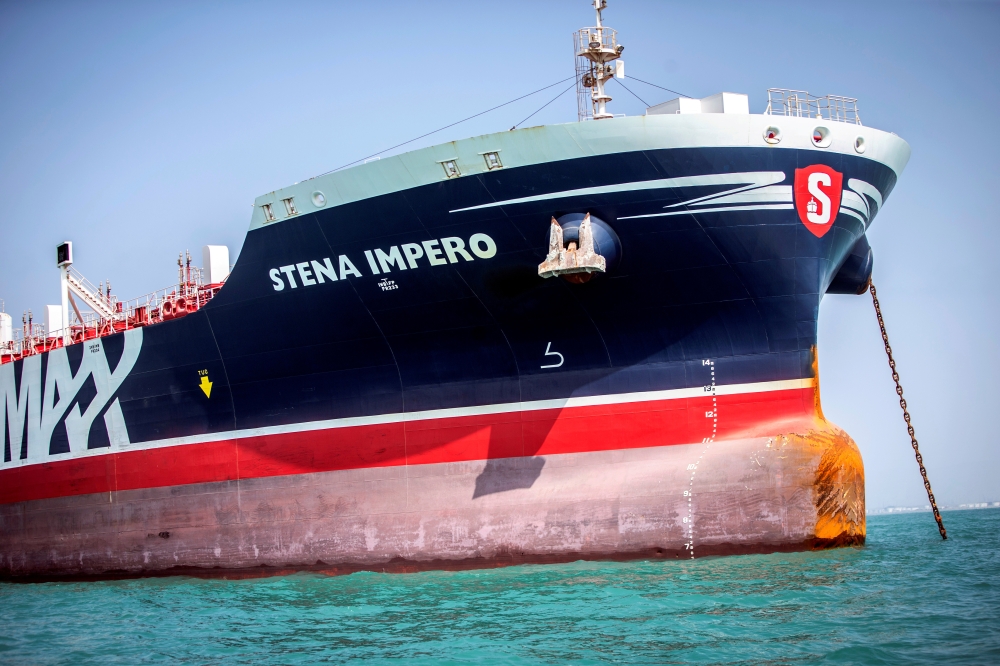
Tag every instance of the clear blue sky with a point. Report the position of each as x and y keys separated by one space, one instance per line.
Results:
x=141 y=129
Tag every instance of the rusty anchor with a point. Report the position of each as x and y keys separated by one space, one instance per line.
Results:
x=574 y=263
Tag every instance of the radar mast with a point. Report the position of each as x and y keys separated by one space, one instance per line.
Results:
x=595 y=48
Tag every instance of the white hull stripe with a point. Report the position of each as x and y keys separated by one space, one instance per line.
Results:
x=764 y=180
x=456 y=412
x=757 y=195
x=711 y=210
x=760 y=190
x=751 y=179
x=773 y=197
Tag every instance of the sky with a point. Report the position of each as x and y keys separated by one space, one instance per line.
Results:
x=138 y=130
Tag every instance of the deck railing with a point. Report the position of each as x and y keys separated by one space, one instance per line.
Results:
x=162 y=305
x=800 y=104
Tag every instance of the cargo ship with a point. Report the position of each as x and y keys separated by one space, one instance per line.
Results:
x=590 y=340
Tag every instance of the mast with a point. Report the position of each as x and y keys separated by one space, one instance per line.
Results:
x=64 y=259
x=595 y=48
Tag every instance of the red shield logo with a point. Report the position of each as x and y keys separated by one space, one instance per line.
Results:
x=817 y=197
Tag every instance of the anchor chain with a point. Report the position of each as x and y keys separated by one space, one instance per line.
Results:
x=906 y=414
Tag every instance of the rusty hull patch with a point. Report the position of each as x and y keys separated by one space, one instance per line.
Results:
x=839 y=489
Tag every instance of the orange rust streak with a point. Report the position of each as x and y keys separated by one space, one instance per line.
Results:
x=815 y=368
x=839 y=481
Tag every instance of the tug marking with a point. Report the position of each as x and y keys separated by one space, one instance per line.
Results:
x=205 y=385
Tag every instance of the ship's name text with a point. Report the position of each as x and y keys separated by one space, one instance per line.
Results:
x=438 y=252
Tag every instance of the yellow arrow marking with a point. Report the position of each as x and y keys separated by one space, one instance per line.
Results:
x=206 y=386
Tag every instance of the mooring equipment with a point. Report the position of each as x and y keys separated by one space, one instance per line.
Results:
x=906 y=413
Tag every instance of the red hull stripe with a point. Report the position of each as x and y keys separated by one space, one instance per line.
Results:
x=476 y=437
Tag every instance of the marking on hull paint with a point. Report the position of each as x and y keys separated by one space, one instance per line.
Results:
x=750 y=179
x=430 y=415
x=577 y=431
x=712 y=210
x=549 y=352
x=482 y=410
x=854 y=201
x=707 y=441
x=205 y=385
x=751 y=194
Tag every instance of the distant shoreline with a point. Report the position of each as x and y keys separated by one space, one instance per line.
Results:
x=890 y=510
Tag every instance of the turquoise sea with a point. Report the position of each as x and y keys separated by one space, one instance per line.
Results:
x=906 y=597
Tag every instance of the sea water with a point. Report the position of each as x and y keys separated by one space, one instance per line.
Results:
x=906 y=597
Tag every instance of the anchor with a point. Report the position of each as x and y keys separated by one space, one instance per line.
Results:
x=575 y=264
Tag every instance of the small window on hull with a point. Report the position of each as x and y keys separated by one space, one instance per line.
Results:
x=493 y=160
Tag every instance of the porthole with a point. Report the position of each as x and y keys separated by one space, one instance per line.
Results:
x=859 y=144
x=268 y=213
x=451 y=168
x=319 y=199
x=821 y=137
x=772 y=135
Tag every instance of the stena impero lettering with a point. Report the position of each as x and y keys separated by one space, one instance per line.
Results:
x=595 y=339
x=435 y=252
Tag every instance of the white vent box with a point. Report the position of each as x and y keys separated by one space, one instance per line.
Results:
x=6 y=330
x=215 y=263
x=720 y=103
x=53 y=320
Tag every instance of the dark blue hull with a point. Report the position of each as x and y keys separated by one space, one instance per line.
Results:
x=388 y=379
x=741 y=287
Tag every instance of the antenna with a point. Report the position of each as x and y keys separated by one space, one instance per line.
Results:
x=64 y=259
x=593 y=49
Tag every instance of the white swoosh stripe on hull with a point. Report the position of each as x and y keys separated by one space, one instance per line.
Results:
x=764 y=179
x=711 y=210
x=759 y=195
x=861 y=187
x=848 y=211
x=853 y=200
x=752 y=179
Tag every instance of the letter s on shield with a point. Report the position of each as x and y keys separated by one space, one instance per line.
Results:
x=817 y=197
